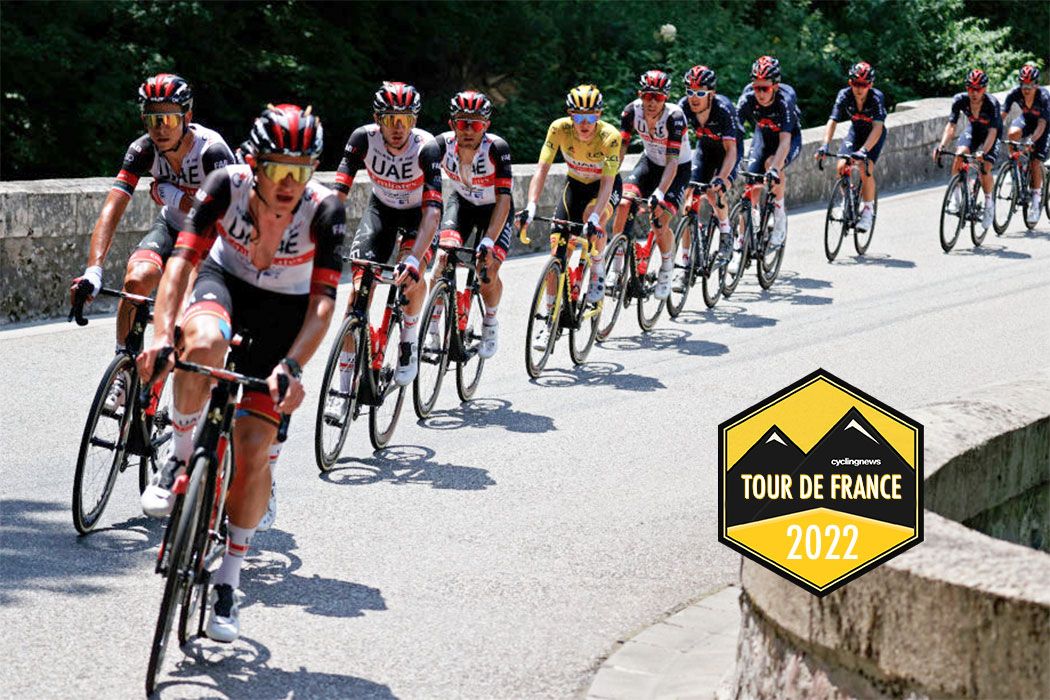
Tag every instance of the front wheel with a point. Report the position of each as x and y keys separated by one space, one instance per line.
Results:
x=684 y=264
x=390 y=396
x=584 y=328
x=977 y=229
x=713 y=275
x=836 y=226
x=740 y=226
x=769 y=261
x=649 y=307
x=952 y=221
x=862 y=239
x=468 y=370
x=1004 y=197
x=542 y=328
x=617 y=277
x=337 y=402
x=435 y=340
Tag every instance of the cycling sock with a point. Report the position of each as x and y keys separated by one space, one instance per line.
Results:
x=723 y=225
x=182 y=425
x=347 y=360
x=490 y=315
x=597 y=267
x=869 y=205
x=236 y=548
x=411 y=328
x=275 y=452
x=666 y=261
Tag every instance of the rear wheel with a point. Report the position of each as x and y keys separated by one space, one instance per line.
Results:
x=952 y=223
x=740 y=227
x=468 y=371
x=684 y=265
x=835 y=225
x=542 y=317
x=103 y=445
x=713 y=275
x=434 y=343
x=382 y=418
x=617 y=276
x=1004 y=197
x=337 y=403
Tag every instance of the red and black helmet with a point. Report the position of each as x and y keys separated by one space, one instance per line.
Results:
x=862 y=72
x=287 y=130
x=166 y=87
x=396 y=98
x=976 y=78
x=766 y=68
x=470 y=102
x=655 y=81
x=700 y=76
x=1028 y=74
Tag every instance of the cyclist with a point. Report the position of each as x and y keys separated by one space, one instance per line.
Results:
x=865 y=108
x=478 y=164
x=405 y=199
x=178 y=154
x=662 y=172
x=772 y=109
x=714 y=120
x=982 y=132
x=1034 y=103
x=591 y=149
x=270 y=235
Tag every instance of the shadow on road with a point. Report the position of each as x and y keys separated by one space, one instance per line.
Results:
x=609 y=374
x=485 y=413
x=243 y=670
x=407 y=464
x=990 y=251
x=676 y=339
x=728 y=314
x=884 y=260
x=789 y=288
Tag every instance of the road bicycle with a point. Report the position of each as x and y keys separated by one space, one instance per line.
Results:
x=701 y=259
x=372 y=382
x=631 y=269
x=452 y=332
x=1012 y=188
x=194 y=539
x=569 y=310
x=113 y=435
x=844 y=208
x=962 y=201
x=755 y=245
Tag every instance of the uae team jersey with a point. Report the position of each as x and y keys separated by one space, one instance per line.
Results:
x=490 y=170
x=405 y=180
x=665 y=139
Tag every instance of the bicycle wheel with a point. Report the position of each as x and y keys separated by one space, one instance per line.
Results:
x=649 y=307
x=468 y=371
x=438 y=314
x=862 y=239
x=683 y=281
x=191 y=603
x=178 y=556
x=740 y=225
x=769 y=261
x=158 y=432
x=540 y=316
x=382 y=418
x=1004 y=197
x=952 y=223
x=617 y=276
x=978 y=213
x=713 y=275
x=1046 y=190
x=584 y=329
x=102 y=446
x=835 y=225
x=337 y=409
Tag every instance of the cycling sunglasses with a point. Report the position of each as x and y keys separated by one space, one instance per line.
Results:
x=475 y=125
x=584 y=118
x=690 y=92
x=405 y=120
x=279 y=171
x=974 y=88
x=860 y=83
x=658 y=97
x=155 y=120
x=763 y=88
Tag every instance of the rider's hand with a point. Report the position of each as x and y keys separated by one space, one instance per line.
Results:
x=593 y=226
x=937 y=153
x=92 y=275
x=860 y=154
x=293 y=396
x=656 y=199
x=773 y=174
x=821 y=152
x=407 y=268
x=526 y=215
x=147 y=360
x=718 y=184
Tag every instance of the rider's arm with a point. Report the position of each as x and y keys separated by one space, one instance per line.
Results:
x=730 y=144
x=874 y=136
x=610 y=167
x=353 y=160
x=430 y=164
x=996 y=126
x=789 y=122
x=500 y=152
x=547 y=153
x=1044 y=117
x=137 y=162
x=676 y=129
x=838 y=114
x=1040 y=127
x=953 y=117
x=989 y=141
x=829 y=131
x=878 y=120
x=626 y=129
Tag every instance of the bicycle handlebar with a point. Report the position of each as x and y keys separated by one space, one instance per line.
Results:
x=472 y=257
x=83 y=294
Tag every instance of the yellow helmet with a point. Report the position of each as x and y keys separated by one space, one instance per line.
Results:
x=584 y=98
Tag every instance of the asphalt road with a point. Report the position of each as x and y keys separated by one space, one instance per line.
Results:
x=502 y=548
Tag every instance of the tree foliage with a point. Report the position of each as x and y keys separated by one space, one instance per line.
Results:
x=69 y=70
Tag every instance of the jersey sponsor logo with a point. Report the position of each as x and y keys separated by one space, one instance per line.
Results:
x=820 y=483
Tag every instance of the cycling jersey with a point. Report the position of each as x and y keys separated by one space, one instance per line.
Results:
x=988 y=116
x=666 y=139
x=209 y=152
x=587 y=161
x=782 y=114
x=846 y=108
x=1040 y=108
x=722 y=123
x=306 y=261
x=403 y=180
x=490 y=170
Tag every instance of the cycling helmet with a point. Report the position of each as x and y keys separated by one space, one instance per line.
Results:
x=166 y=87
x=766 y=68
x=396 y=98
x=863 y=72
x=470 y=102
x=700 y=76
x=287 y=130
x=1028 y=74
x=977 y=78
x=585 y=98
x=655 y=81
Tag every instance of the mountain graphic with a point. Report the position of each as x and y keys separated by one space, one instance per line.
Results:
x=773 y=453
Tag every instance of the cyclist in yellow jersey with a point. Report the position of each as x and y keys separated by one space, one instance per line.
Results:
x=591 y=150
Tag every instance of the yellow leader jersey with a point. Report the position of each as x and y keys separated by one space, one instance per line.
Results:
x=587 y=160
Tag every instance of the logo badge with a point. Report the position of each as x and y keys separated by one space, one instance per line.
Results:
x=820 y=483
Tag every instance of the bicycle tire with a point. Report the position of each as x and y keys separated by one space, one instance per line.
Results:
x=196 y=584
x=468 y=374
x=646 y=287
x=583 y=329
x=325 y=456
x=1006 y=175
x=768 y=266
x=549 y=317
x=381 y=427
x=975 y=221
x=835 y=230
x=859 y=236
x=427 y=385
x=711 y=289
x=615 y=285
x=160 y=435
x=950 y=232
x=679 y=294
x=1046 y=190
x=740 y=225
x=85 y=521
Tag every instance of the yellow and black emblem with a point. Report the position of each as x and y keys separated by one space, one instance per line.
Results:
x=820 y=483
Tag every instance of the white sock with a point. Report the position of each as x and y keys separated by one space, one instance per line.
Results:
x=411 y=328
x=666 y=261
x=490 y=315
x=347 y=360
x=869 y=205
x=723 y=225
x=597 y=267
x=236 y=548
x=182 y=425
x=275 y=452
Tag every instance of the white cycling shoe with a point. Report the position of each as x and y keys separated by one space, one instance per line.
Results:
x=407 y=363
x=663 y=284
x=157 y=499
x=866 y=218
x=224 y=607
x=540 y=338
x=117 y=394
x=988 y=216
x=489 y=339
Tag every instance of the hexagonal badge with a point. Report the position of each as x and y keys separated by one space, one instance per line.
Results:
x=820 y=483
